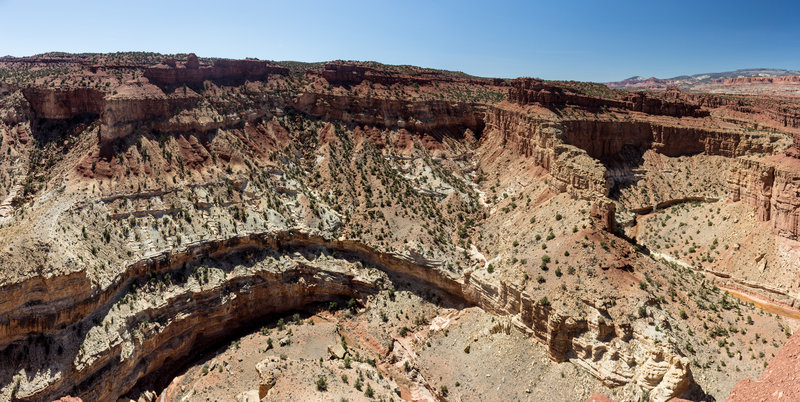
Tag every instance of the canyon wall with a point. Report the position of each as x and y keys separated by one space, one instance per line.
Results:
x=608 y=350
x=542 y=142
x=221 y=71
x=344 y=73
x=761 y=109
x=529 y=90
x=603 y=139
x=422 y=117
x=123 y=113
x=187 y=317
x=772 y=187
x=574 y=151
x=49 y=103
x=146 y=105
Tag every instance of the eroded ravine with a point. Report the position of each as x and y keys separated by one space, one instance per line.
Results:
x=179 y=318
x=119 y=332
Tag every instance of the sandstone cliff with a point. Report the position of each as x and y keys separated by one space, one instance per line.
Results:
x=770 y=186
x=197 y=197
x=172 y=325
x=527 y=90
x=222 y=71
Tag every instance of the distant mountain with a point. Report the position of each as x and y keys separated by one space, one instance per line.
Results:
x=698 y=81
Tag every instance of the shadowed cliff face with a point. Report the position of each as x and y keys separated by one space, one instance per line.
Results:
x=166 y=333
x=154 y=208
x=169 y=75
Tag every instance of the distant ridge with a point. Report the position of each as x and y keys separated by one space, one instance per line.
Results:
x=715 y=82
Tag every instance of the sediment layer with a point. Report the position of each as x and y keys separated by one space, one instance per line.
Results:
x=188 y=320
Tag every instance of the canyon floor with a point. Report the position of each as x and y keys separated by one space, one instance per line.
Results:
x=178 y=228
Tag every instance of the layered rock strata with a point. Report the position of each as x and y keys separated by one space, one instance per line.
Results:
x=145 y=105
x=222 y=71
x=772 y=187
x=529 y=90
x=573 y=151
x=344 y=73
x=614 y=353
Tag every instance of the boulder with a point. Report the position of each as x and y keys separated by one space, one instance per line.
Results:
x=268 y=371
x=248 y=396
x=337 y=351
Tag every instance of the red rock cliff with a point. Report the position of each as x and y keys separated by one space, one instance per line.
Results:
x=529 y=90
x=223 y=71
x=64 y=103
x=772 y=187
x=344 y=73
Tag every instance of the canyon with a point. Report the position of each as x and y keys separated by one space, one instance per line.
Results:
x=158 y=208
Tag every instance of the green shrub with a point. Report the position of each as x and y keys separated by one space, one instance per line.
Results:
x=322 y=384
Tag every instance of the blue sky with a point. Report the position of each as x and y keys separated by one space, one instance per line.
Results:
x=582 y=40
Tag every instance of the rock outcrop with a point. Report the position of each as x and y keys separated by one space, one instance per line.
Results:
x=778 y=382
x=606 y=350
x=529 y=90
x=50 y=103
x=135 y=317
x=573 y=151
x=141 y=104
x=781 y=79
x=178 y=325
x=350 y=73
x=435 y=117
x=772 y=187
x=221 y=71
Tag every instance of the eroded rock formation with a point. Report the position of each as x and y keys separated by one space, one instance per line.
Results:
x=245 y=145
x=530 y=90
x=168 y=331
x=771 y=187
x=223 y=71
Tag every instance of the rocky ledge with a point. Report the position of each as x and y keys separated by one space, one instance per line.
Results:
x=209 y=291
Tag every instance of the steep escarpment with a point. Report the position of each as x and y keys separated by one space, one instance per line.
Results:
x=578 y=152
x=223 y=71
x=542 y=142
x=141 y=104
x=436 y=117
x=770 y=186
x=155 y=207
x=527 y=90
x=606 y=349
x=64 y=103
x=606 y=139
x=753 y=112
x=168 y=325
x=349 y=73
